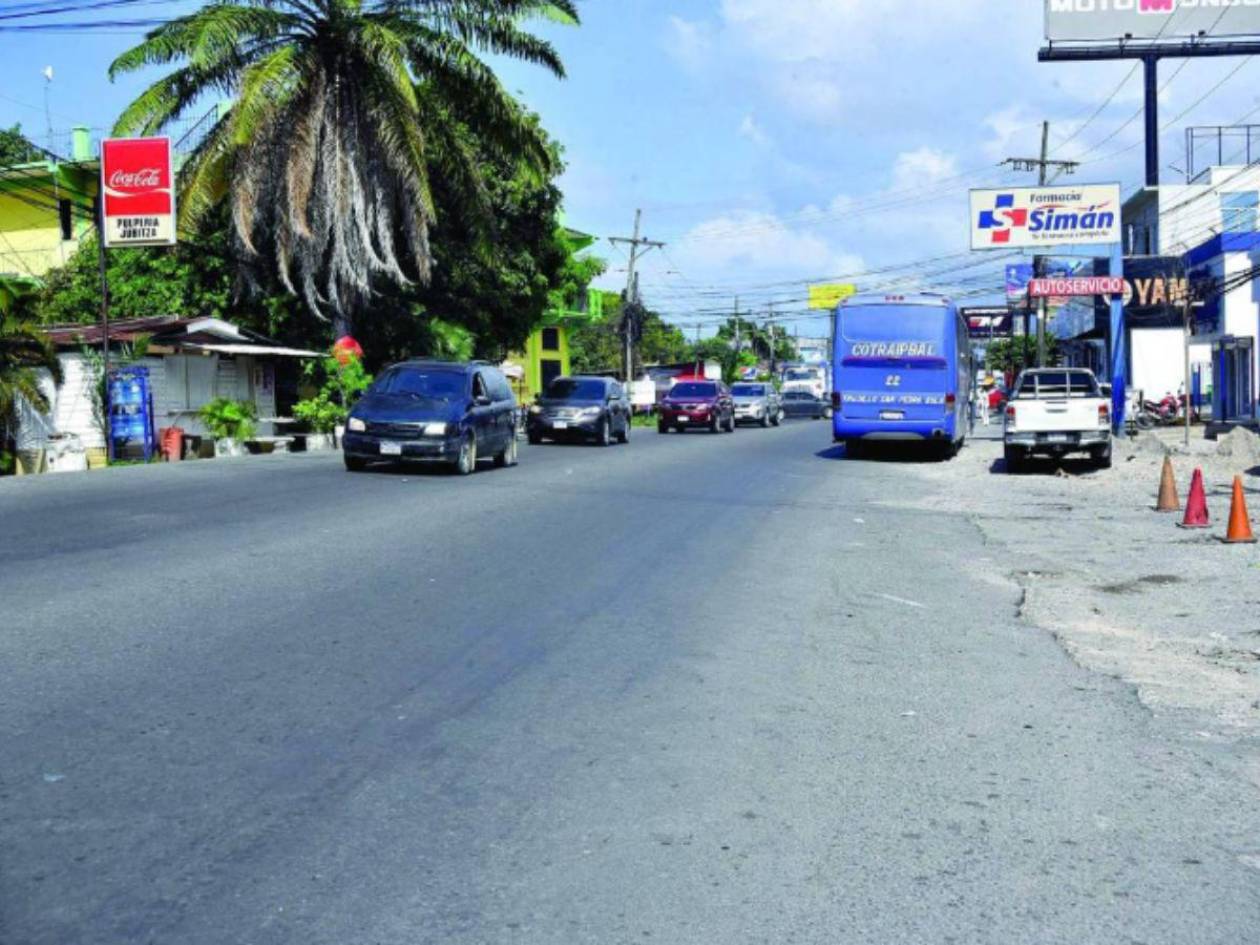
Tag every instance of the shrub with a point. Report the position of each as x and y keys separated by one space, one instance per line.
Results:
x=344 y=383
x=229 y=418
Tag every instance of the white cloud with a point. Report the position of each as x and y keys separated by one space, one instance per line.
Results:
x=689 y=42
x=810 y=90
x=748 y=242
x=748 y=128
x=922 y=167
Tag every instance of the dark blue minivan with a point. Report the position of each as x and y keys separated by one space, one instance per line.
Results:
x=433 y=412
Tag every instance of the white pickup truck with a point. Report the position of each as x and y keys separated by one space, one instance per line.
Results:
x=1055 y=411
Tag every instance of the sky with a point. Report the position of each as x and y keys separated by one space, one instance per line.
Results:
x=774 y=143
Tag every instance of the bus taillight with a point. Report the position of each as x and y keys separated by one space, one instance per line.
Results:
x=951 y=402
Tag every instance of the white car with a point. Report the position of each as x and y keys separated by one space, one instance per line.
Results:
x=1056 y=411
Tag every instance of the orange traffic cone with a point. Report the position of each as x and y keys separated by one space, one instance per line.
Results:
x=1196 y=504
x=1239 y=521
x=1168 y=500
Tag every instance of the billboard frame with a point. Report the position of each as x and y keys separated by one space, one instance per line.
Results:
x=1150 y=53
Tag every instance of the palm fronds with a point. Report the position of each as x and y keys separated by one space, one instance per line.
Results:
x=341 y=109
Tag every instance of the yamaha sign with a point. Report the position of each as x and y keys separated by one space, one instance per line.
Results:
x=1149 y=19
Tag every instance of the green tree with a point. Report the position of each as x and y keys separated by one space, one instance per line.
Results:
x=493 y=281
x=24 y=352
x=1014 y=354
x=16 y=149
x=339 y=107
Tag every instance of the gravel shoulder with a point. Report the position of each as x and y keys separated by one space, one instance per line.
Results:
x=1125 y=591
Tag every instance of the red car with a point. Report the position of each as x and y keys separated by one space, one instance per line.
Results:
x=704 y=404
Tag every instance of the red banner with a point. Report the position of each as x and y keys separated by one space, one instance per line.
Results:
x=1076 y=285
x=138 y=189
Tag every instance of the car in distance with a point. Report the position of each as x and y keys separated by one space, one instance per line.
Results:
x=757 y=403
x=691 y=404
x=803 y=403
x=589 y=408
x=1056 y=411
x=433 y=412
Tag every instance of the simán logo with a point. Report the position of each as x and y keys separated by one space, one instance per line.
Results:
x=1050 y=216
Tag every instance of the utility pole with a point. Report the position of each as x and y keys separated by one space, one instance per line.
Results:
x=1042 y=165
x=774 y=344
x=1187 y=319
x=632 y=286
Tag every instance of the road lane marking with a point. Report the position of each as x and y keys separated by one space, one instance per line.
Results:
x=902 y=600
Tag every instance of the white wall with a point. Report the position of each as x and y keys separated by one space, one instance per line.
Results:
x=181 y=384
x=1158 y=360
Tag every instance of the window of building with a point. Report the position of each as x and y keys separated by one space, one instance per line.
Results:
x=66 y=218
x=1238 y=212
x=551 y=339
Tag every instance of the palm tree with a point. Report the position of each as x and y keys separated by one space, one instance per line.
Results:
x=341 y=109
x=24 y=350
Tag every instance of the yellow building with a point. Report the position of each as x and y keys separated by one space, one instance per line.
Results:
x=45 y=210
x=546 y=354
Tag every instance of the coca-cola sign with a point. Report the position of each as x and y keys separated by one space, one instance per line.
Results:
x=138 y=189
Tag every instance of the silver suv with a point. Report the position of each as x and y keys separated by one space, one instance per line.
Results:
x=757 y=403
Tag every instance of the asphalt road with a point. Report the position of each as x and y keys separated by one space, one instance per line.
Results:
x=698 y=689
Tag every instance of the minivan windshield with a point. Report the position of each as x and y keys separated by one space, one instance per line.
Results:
x=748 y=390
x=422 y=383
x=567 y=388
x=692 y=389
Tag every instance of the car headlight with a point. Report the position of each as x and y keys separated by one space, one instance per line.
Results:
x=590 y=412
x=355 y=425
x=435 y=429
x=535 y=410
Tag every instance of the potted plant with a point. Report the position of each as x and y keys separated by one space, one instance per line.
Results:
x=231 y=423
x=323 y=416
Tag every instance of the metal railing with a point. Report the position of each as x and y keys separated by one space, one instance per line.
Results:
x=1209 y=146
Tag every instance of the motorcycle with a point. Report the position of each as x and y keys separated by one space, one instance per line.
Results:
x=1168 y=411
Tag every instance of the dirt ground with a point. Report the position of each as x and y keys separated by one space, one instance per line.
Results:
x=1176 y=613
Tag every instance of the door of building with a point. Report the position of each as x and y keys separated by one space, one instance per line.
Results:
x=1233 y=380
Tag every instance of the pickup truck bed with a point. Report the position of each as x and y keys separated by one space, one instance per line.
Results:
x=1056 y=411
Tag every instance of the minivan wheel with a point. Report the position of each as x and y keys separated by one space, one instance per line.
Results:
x=466 y=464
x=508 y=457
x=662 y=427
x=765 y=419
x=355 y=463
x=605 y=433
x=624 y=435
x=778 y=418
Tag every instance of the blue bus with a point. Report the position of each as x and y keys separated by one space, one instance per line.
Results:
x=903 y=371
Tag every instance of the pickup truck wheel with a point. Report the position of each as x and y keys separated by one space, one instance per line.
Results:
x=1101 y=456
x=1014 y=457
